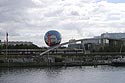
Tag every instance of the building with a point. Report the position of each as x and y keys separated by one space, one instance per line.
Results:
x=93 y=44
x=112 y=38
x=113 y=35
x=72 y=41
x=73 y=44
x=13 y=43
x=86 y=44
x=78 y=46
x=95 y=41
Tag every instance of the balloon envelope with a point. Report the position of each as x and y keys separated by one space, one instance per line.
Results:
x=52 y=38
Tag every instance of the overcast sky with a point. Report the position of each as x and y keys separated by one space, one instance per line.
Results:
x=29 y=20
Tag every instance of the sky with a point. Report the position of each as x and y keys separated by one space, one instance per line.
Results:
x=29 y=20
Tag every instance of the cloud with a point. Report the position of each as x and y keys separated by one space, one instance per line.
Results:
x=29 y=20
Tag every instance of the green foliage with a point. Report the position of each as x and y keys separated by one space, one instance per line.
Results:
x=20 y=46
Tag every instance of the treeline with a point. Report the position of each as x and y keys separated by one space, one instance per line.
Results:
x=22 y=46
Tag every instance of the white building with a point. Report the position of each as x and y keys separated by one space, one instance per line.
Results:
x=92 y=41
x=106 y=37
x=113 y=35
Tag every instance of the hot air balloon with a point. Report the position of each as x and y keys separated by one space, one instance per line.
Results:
x=52 y=38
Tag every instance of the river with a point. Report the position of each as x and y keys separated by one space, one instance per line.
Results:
x=84 y=74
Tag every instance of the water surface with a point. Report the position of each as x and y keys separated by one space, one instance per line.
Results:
x=84 y=74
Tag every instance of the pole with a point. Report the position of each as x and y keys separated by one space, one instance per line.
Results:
x=121 y=48
x=6 y=45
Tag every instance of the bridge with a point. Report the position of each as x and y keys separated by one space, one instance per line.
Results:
x=52 y=48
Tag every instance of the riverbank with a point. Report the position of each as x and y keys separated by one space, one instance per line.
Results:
x=58 y=60
x=34 y=64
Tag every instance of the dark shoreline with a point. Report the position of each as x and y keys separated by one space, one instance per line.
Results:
x=49 y=64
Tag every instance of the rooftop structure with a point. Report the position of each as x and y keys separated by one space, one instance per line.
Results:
x=71 y=41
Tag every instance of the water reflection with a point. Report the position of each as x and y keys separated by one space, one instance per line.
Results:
x=84 y=74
